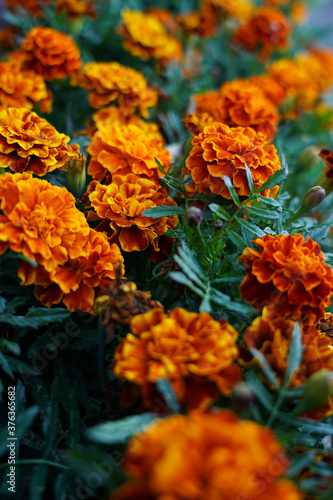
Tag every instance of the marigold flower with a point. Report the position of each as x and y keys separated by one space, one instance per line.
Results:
x=318 y=65
x=271 y=334
x=289 y=273
x=22 y=89
x=50 y=53
x=145 y=36
x=223 y=151
x=40 y=221
x=325 y=326
x=110 y=81
x=195 y=352
x=270 y=87
x=76 y=282
x=237 y=104
x=77 y=8
x=267 y=28
x=120 y=205
x=122 y=149
x=196 y=23
x=206 y=455
x=29 y=143
x=217 y=9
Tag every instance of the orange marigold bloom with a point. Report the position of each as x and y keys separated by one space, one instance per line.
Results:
x=318 y=65
x=145 y=36
x=122 y=149
x=34 y=7
x=239 y=103
x=192 y=350
x=120 y=205
x=271 y=334
x=50 y=53
x=267 y=28
x=206 y=456
x=289 y=273
x=270 y=87
x=327 y=156
x=223 y=151
x=77 y=8
x=217 y=9
x=22 y=89
x=196 y=23
x=110 y=81
x=29 y=143
x=40 y=221
x=299 y=86
x=77 y=281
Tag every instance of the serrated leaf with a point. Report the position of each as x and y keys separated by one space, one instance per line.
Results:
x=5 y=365
x=307 y=424
x=232 y=191
x=10 y=346
x=261 y=392
x=275 y=180
x=36 y=317
x=270 y=375
x=162 y=211
x=268 y=201
x=236 y=239
x=19 y=366
x=235 y=307
x=165 y=387
x=185 y=267
x=249 y=179
x=295 y=353
x=219 y=211
x=160 y=166
x=263 y=213
x=121 y=430
x=181 y=278
x=186 y=254
x=250 y=227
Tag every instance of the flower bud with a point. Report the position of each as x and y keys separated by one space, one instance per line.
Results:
x=243 y=395
x=308 y=158
x=193 y=216
x=76 y=174
x=314 y=197
x=218 y=224
x=318 y=389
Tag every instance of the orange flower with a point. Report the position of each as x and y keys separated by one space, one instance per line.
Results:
x=110 y=81
x=222 y=151
x=206 y=456
x=77 y=8
x=34 y=7
x=300 y=87
x=22 y=89
x=270 y=87
x=77 y=281
x=192 y=350
x=122 y=149
x=289 y=274
x=50 y=53
x=267 y=28
x=120 y=205
x=327 y=156
x=271 y=334
x=29 y=143
x=40 y=221
x=196 y=23
x=239 y=103
x=145 y=36
x=318 y=65
x=165 y=17
x=217 y=9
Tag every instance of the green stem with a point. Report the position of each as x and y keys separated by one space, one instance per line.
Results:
x=36 y=461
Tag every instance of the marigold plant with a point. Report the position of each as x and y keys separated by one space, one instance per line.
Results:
x=122 y=149
x=288 y=273
x=217 y=9
x=30 y=143
x=206 y=455
x=195 y=352
x=221 y=151
x=145 y=36
x=50 y=53
x=77 y=8
x=121 y=204
x=34 y=7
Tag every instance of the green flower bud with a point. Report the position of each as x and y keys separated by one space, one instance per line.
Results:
x=193 y=216
x=318 y=389
x=76 y=175
x=314 y=197
x=308 y=158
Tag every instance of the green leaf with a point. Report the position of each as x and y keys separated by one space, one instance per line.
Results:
x=165 y=387
x=219 y=211
x=250 y=227
x=36 y=317
x=10 y=346
x=181 y=278
x=19 y=366
x=236 y=239
x=229 y=305
x=163 y=211
x=295 y=353
x=160 y=166
x=249 y=179
x=263 y=213
x=5 y=365
x=51 y=419
x=185 y=267
x=307 y=424
x=270 y=375
x=188 y=256
x=261 y=392
x=268 y=201
x=38 y=482
x=121 y=430
x=232 y=191
x=275 y=180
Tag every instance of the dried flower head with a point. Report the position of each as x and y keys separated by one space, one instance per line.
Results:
x=221 y=151
x=267 y=29
x=29 y=143
x=120 y=206
x=50 y=53
x=289 y=273
x=145 y=36
x=206 y=456
x=110 y=81
x=122 y=149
